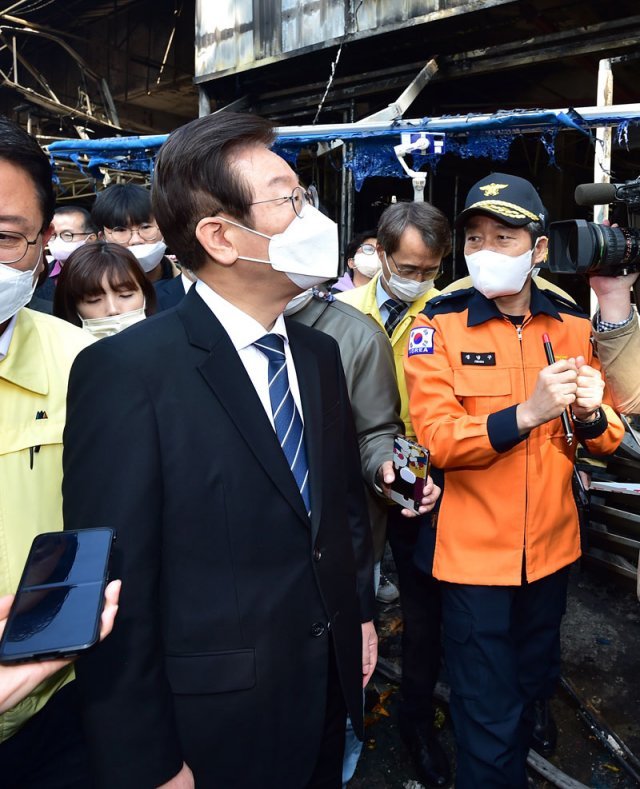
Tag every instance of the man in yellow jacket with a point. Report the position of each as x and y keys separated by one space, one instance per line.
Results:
x=40 y=740
x=412 y=240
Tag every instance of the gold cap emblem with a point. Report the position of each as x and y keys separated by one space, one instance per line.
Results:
x=491 y=190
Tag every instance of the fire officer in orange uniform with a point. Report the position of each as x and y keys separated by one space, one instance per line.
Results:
x=487 y=403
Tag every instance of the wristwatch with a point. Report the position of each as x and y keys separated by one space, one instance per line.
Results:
x=595 y=418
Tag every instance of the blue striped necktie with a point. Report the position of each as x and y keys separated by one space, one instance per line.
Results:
x=396 y=311
x=287 y=421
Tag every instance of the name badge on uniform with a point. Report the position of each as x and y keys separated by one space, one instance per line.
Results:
x=479 y=359
x=421 y=340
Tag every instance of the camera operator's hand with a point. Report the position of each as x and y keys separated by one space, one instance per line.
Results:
x=614 y=296
x=589 y=392
x=555 y=390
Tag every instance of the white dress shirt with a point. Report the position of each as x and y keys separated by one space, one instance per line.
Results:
x=243 y=331
x=186 y=283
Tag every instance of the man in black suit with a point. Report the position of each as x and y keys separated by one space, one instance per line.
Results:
x=244 y=633
x=170 y=292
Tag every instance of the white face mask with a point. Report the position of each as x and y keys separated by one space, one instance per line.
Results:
x=367 y=265
x=62 y=249
x=112 y=324
x=403 y=288
x=298 y=302
x=148 y=255
x=16 y=288
x=495 y=274
x=306 y=251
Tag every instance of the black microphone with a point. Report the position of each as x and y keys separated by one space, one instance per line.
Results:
x=595 y=194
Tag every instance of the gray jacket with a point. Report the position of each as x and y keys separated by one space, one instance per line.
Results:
x=368 y=364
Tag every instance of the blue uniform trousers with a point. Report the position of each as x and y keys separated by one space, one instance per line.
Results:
x=502 y=651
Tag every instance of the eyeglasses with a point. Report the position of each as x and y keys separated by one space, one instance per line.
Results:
x=367 y=249
x=415 y=273
x=14 y=246
x=122 y=235
x=299 y=198
x=67 y=235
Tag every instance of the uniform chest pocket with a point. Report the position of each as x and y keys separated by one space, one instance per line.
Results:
x=482 y=390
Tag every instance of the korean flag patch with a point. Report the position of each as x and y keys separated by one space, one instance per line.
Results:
x=421 y=340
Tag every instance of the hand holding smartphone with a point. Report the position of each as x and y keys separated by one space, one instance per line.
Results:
x=411 y=468
x=56 y=610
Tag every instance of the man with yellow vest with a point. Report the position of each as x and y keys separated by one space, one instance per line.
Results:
x=412 y=240
x=40 y=739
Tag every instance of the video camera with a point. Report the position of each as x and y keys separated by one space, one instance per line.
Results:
x=580 y=247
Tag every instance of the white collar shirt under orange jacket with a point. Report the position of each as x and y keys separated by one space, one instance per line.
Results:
x=507 y=497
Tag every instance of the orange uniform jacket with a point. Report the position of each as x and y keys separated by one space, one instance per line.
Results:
x=467 y=368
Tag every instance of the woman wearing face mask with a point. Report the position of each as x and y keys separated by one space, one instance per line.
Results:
x=103 y=290
x=362 y=262
x=123 y=214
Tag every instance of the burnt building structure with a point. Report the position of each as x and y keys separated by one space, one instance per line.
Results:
x=91 y=69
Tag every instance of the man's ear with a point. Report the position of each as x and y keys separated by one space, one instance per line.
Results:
x=46 y=234
x=216 y=238
x=541 y=250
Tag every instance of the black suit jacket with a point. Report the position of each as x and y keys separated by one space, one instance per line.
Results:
x=169 y=292
x=231 y=596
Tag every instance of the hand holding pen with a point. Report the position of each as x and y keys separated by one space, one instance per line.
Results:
x=564 y=416
x=554 y=392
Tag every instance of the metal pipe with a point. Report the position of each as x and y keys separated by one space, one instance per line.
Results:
x=602 y=150
x=603 y=732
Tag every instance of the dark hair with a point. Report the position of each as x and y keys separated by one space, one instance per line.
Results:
x=21 y=150
x=194 y=179
x=120 y=205
x=535 y=230
x=428 y=220
x=357 y=241
x=87 y=223
x=83 y=272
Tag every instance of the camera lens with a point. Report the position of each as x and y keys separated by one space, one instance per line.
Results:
x=577 y=246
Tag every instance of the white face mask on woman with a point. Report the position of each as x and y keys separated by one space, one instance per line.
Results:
x=495 y=274
x=306 y=250
x=403 y=288
x=367 y=265
x=148 y=255
x=112 y=324
x=16 y=288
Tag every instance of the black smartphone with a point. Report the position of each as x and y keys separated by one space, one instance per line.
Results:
x=57 y=608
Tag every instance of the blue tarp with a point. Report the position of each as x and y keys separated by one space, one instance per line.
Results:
x=370 y=150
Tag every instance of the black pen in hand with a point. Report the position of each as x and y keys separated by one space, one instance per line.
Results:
x=564 y=416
